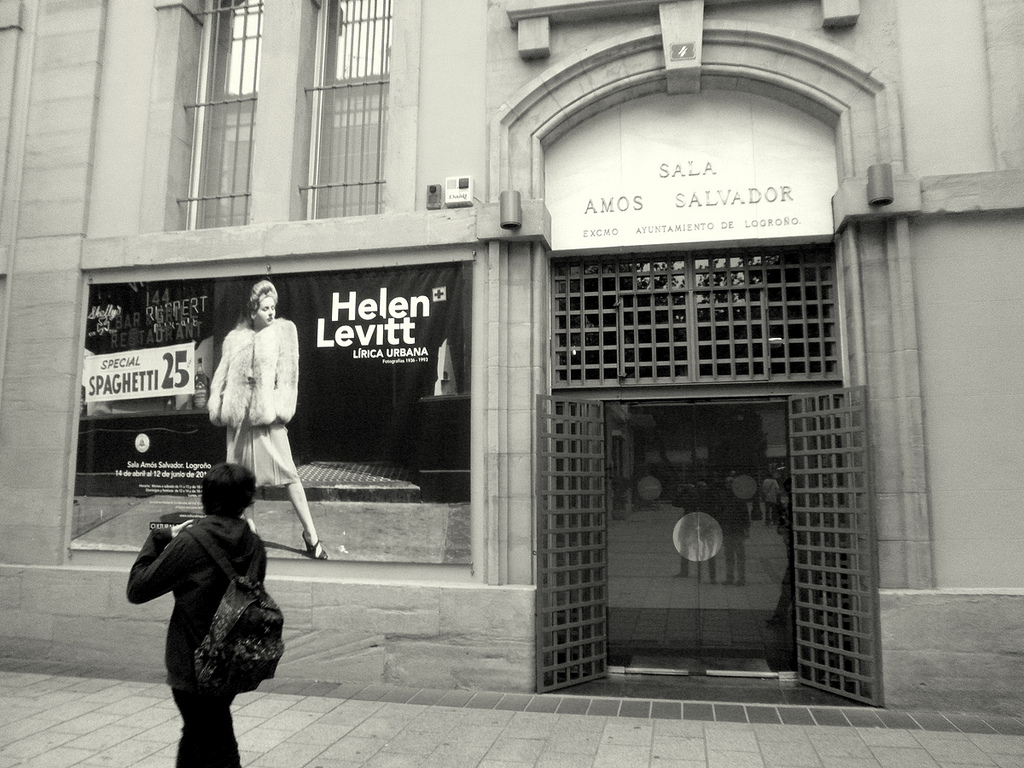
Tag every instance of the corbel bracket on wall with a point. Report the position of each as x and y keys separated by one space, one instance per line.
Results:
x=839 y=13
x=193 y=7
x=535 y=226
x=852 y=203
x=533 y=18
x=10 y=14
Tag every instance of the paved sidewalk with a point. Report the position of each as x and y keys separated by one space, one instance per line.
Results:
x=56 y=720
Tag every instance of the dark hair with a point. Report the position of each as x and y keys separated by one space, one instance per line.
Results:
x=227 y=490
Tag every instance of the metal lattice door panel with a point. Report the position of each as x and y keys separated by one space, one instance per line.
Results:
x=835 y=576
x=572 y=578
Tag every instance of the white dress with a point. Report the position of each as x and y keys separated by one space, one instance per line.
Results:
x=265 y=450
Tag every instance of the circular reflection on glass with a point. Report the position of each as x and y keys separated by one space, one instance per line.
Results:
x=744 y=487
x=697 y=536
x=648 y=488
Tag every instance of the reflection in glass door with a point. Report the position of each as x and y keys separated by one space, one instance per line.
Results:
x=699 y=552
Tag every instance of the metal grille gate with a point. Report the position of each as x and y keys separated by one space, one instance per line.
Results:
x=835 y=575
x=572 y=578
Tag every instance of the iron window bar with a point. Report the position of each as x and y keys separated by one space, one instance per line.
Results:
x=225 y=114
x=754 y=314
x=347 y=84
x=219 y=102
x=350 y=109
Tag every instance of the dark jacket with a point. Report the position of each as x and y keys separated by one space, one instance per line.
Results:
x=181 y=565
x=732 y=513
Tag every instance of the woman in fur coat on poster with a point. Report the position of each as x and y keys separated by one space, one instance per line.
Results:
x=253 y=394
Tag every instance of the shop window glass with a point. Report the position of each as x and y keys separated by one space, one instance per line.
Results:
x=225 y=112
x=378 y=372
x=736 y=316
x=350 y=109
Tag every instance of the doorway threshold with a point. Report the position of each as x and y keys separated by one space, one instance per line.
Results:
x=742 y=673
x=737 y=690
x=647 y=671
x=665 y=672
x=669 y=665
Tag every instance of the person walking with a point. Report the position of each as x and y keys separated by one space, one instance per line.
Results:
x=770 y=492
x=172 y=560
x=254 y=392
x=734 y=517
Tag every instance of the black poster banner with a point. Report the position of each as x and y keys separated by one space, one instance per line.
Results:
x=383 y=376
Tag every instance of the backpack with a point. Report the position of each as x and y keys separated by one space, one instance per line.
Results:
x=244 y=644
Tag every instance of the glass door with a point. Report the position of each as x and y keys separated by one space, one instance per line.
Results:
x=699 y=547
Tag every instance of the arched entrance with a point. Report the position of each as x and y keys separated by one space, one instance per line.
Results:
x=835 y=635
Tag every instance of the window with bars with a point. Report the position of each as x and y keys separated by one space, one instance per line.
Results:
x=350 y=109
x=225 y=112
x=694 y=317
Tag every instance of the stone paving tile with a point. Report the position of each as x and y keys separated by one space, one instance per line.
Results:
x=770 y=734
x=723 y=737
x=35 y=744
x=572 y=706
x=890 y=738
x=456 y=755
x=604 y=707
x=572 y=743
x=86 y=723
x=790 y=754
x=796 y=716
x=564 y=760
x=621 y=756
x=667 y=749
x=998 y=745
x=903 y=757
x=53 y=721
x=543 y=704
x=849 y=762
x=61 y=757
x=678 y=729
x=698 y=711
x=824 y=716
x=262 y=739
x=516 y=702
x=127 y=754
x=627 y=733
x=829 y=744
x=731 y=759
x=763 y=715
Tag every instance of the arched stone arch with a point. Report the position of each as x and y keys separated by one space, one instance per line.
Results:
x=862 y=105
x=807 y=73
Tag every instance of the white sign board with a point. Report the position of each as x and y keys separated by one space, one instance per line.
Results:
x=138 y=374
x=667 y=170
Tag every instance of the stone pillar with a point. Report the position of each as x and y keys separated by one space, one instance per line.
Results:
x=170 y=126
x=10 y=33
x=280 y=162
x=1004 y=37
x=515 y=327
x=40 y=390
x=895 y=409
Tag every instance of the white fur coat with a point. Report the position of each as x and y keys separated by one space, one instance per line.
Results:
x=257 y=377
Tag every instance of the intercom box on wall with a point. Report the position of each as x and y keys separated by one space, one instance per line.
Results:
x=458 y=191
x=435 y=197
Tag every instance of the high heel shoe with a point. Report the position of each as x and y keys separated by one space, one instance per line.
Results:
x=316 y=551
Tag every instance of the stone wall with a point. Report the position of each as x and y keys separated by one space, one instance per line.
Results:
x=410 y=635
x=953 y=650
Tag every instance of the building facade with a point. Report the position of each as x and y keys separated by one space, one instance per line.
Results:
x=632 y=334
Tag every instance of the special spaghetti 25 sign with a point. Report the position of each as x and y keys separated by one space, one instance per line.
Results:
x=158 y=372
